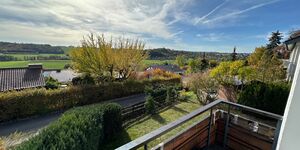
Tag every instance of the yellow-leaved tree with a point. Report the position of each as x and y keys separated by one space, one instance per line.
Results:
x=108 y=60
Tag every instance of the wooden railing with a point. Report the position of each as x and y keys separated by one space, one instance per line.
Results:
x=209 y=127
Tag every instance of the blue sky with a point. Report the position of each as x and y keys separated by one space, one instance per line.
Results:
x=194 y=25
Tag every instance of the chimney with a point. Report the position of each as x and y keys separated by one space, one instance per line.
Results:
x=35 y=66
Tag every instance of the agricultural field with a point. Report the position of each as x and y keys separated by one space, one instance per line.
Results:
x=47 y=64
x=21 y=56
x=59 y=64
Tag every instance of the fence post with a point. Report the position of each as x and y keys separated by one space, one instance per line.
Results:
x=226 y=127
x=145 y=147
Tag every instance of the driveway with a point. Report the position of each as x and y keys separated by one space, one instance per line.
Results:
x=36 y=123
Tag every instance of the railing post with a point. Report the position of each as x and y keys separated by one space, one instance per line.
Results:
x=145 y=147
x=277 y=131
x=226 y=127
x=209 y=126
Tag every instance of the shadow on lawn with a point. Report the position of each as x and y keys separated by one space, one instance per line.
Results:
x=159 y=119
x=180 y=110
x=117 y=141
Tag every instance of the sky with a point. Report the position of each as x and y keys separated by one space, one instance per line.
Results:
x=192 y=25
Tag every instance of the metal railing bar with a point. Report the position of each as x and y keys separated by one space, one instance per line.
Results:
x=226 y=127
x=158 y=132
x=209 y=125
x=278 y=127
x=254 y=110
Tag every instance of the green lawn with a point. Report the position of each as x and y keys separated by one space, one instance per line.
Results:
x=149 y=124
x=47 y=64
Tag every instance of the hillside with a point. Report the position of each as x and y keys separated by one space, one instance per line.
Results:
x=12 y=51
x=168 y=54
x=12 y=48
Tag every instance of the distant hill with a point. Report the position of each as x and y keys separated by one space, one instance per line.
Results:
x=11 y=48
x=154 y=54
x=164 y=53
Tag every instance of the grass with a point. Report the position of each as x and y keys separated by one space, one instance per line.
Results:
x=8 y=142
x=21 y=56
x=48 y=64
x=150 y=123
x=59 y=64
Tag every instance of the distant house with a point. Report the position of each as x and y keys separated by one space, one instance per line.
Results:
x=21 y=78
x=63 y=76
x=293 y=45
x=170 y=68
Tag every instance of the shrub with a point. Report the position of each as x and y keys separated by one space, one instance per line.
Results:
x=270 y=97
x=29 y=102
x=204 y=86
x=51 y=83
x=79 y=128
x=150 y=105
x=83 y=80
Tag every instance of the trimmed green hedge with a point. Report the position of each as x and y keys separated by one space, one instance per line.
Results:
x=79 y=128
x=270 y=97
x=30 y=102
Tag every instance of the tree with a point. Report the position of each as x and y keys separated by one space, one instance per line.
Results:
x=130 y=53
x=213 y=63
x=274 y=41
x=150 y=105
x=234 y=54
x=194 y=65
x=267 y=68
x=106 y=60
x=222 y=73
x=89 y=57
x=180 y=60
x=205 y=87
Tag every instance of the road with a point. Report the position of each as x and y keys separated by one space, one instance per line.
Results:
x=36 y=123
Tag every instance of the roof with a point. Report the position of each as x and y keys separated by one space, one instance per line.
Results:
x=293 y=40
x=170 y=68
x=21 y=78
x=62 y=75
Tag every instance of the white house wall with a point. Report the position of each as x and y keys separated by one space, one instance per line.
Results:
x=290 y=129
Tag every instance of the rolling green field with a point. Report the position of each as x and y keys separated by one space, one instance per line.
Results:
x=47 y=64
x=59 y=64
x=21 y=56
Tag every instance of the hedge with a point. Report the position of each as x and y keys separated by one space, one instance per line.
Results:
x=271 y=97
x=79 y=128
x=30 y=102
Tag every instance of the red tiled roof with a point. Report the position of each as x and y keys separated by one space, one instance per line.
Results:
x=20 y=78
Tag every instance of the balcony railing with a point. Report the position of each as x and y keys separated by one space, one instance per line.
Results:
x=220 y=126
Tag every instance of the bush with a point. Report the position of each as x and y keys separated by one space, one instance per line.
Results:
x=25 y=103
x=51 y=83
x=79 y=128
x=83 y=80
x=270 y=97
x=150 y=105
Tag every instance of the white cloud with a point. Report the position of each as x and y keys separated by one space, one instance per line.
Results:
x=212 y=37
x=66 y=22
x=134 y=17
x=228 y=12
